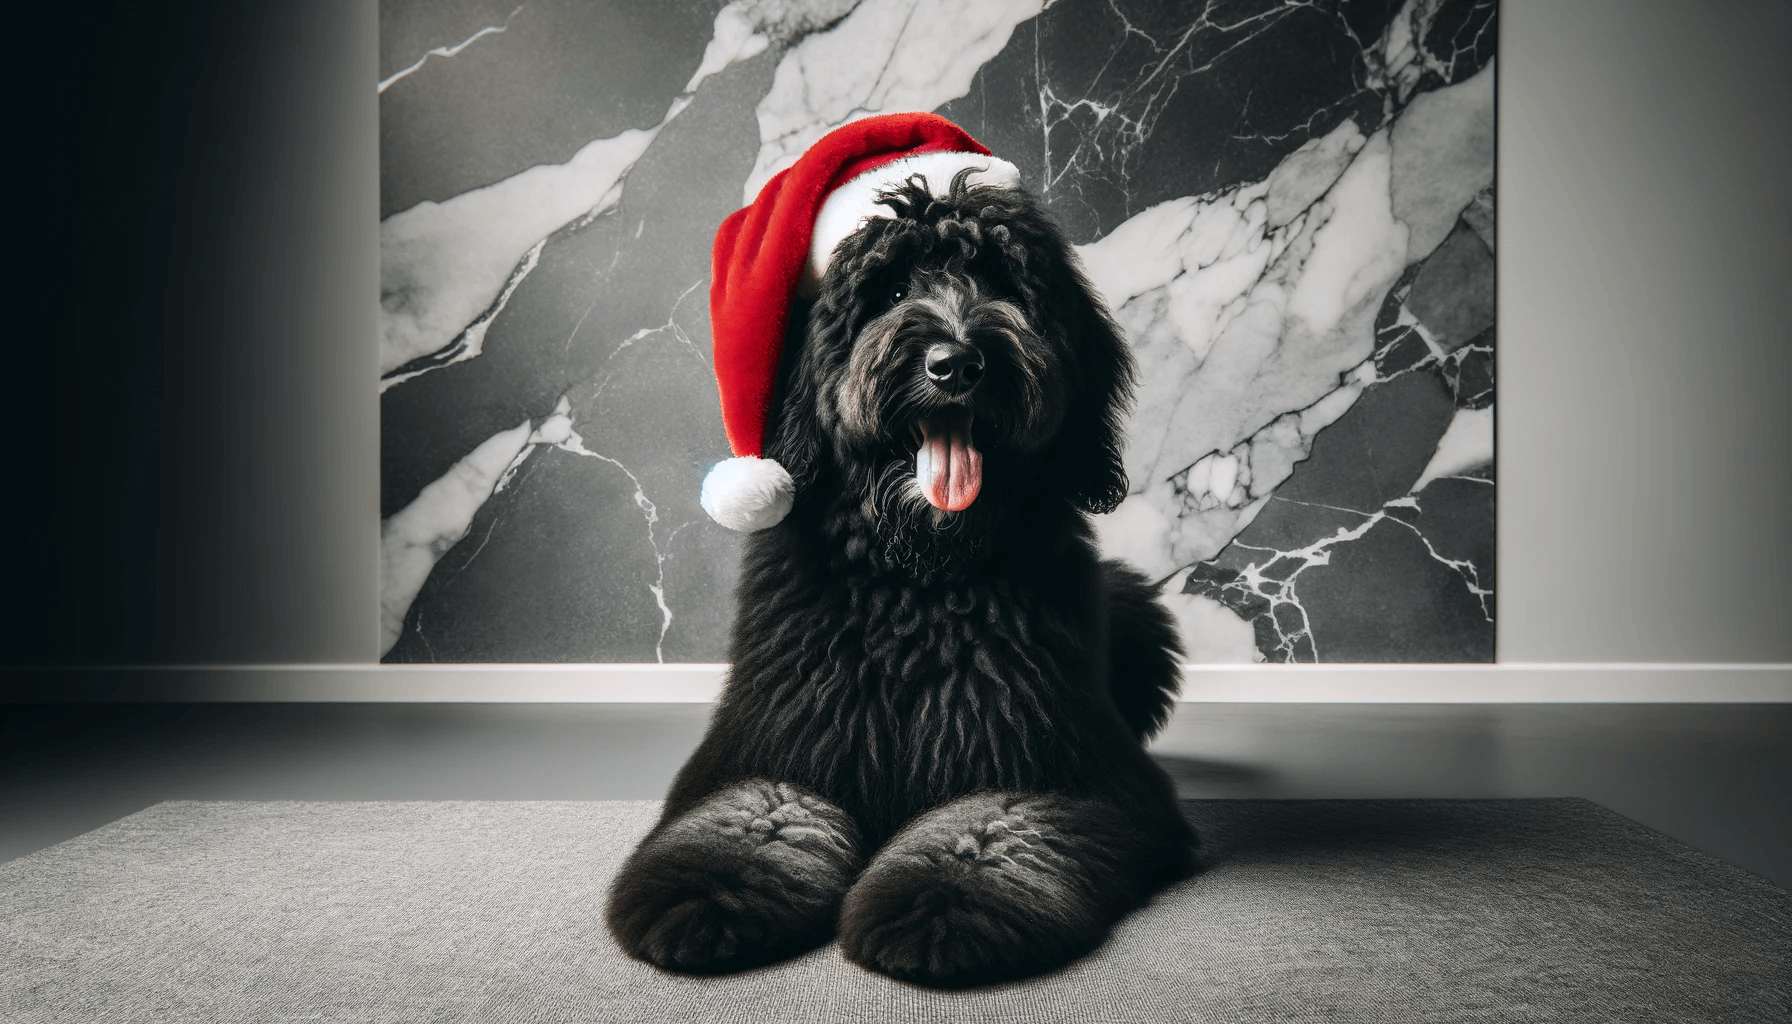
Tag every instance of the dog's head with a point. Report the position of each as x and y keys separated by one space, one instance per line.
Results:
x=956 y=364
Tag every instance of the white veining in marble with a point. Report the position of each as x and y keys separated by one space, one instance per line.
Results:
x=446 y=268
x=671 y=326
x=886 y=57
x=470 y=342
x=1466 y=445
x=1397 y=64
x=415 y=537
x=1403 y=61
x=1251 y=313
x=650 y=514
x=553 y=430
x=1242 y=347
x=443 y=264
x=1309 y=172
x=1284 y=591
x=746 y=28
x=448 y=51
x=1211 y=632
x=1443 y=157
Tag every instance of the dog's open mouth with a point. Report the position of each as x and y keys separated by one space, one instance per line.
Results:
x=948 y=467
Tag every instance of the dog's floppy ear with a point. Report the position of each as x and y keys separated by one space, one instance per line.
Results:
x=794 y=437
x=1086 y=455
x=802 y=432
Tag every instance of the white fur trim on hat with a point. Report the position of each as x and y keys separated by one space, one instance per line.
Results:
x=848 y=207
x=747 y=493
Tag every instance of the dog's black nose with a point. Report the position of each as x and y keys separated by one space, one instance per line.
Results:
x=954 y=366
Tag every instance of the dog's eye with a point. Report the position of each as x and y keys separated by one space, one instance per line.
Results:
x=898 y=292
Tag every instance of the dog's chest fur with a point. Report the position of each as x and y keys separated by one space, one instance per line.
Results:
x=889 y=696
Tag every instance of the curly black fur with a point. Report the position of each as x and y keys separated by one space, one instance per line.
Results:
x=965 y=693
x=753 y=873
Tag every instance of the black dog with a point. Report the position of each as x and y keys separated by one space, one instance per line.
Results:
x=932 y=739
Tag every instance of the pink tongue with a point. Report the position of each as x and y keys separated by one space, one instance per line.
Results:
x=949 y=468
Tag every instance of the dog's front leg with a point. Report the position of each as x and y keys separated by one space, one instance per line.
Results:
x=753 y=873
x=1002 y=885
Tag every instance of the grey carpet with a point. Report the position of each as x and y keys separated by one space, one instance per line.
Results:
x=1524 y=910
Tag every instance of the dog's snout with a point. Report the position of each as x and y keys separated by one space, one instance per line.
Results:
x=954 y=366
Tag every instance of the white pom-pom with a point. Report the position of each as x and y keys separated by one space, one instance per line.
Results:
x=748 y=493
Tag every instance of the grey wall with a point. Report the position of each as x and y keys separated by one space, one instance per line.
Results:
x=195 y=408
x=1644 y=430
x=192 y=398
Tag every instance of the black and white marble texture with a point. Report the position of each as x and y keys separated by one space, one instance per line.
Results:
x=1288 y=205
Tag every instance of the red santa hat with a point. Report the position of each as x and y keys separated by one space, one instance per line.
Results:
x=768 y=252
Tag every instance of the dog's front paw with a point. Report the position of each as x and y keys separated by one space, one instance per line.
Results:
x=753 y=874
x=984 y=889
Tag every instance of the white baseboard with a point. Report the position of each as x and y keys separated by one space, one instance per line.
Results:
x=1506 y=683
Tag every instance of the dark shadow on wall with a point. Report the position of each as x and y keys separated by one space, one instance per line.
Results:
x=192 y=479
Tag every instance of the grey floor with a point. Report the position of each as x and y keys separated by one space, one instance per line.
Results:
x=1712 y=776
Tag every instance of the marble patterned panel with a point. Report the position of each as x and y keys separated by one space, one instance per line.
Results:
x=1288 y=205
